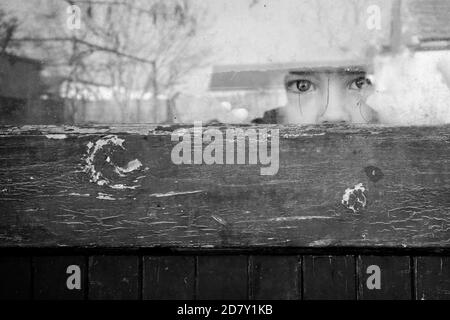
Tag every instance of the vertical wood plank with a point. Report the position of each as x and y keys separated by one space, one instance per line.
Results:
x=222 y=277
x=275 y=277
x=169 y=277
x=51 y=274
x=432 y=278
x=114 y=278
x=329 y=277
x=15 y=279
x=394 y=275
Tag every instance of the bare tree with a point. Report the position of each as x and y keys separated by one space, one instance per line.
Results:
x=342 y=24
x=138 y=49
x=8 y=26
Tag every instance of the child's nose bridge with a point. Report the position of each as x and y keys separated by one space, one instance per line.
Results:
x=333 y=103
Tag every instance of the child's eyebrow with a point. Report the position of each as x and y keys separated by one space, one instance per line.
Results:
x=346 y=69
x=301 y=73
x=306 y=74
x=315 y=74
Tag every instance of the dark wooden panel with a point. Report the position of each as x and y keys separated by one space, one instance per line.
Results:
x=169 y=277
x=114 y=278
x=15 y=280
x=329 y=277
x=49 y=197
x=222 y=277
x=275 y=277
x=432 y=278
x=59 y=277
x=394 y=278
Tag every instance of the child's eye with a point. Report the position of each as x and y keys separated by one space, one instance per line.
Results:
x=360 y=83
x=300 y=86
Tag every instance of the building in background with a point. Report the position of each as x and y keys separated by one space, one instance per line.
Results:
x=20 y=83
x=420 y=25
x=23 y=93
x=19 y=77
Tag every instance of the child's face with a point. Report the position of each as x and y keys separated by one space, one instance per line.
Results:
x=328 y=96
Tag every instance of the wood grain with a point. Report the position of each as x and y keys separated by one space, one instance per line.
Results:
x=114 y=278
x=222 y=277
x=432 y=278
x=169 y=278
x=275 y=277
x=48 y=200
x=329 y=278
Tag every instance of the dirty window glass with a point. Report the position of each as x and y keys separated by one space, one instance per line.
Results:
x=225 y=61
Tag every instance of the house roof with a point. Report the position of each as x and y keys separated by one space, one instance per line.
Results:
x=429 y=19
x=425 y=24
x=12 y=58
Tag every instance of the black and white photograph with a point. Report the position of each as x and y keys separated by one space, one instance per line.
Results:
x=240 y=152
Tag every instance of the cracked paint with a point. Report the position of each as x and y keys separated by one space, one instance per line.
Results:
x=97 y=176
x=355 y=198
x=56 y=136
x=104 y=196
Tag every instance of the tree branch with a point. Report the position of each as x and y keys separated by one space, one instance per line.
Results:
x=86 y=43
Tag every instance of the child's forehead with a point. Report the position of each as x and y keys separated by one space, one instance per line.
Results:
x=337 y=72
x=331 y=66
x=339 y=68
x=327 y=71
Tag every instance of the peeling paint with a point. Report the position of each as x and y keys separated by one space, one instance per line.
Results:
x=355 y=198
x=320 y=243
x=122 y=186
x=296 y=135
x=56 y=136
x=92 y=148
x=131 y=166
x=97 y=176
x=219 y=220
x=104 y=196
x=140 y=177
x=295 y=218
x=172 y=193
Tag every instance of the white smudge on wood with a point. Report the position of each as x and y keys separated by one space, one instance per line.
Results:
x=295 y=218
x=104 y=196
x=56 y=136
x=172 y=193
x=97 y=176
x=122 y=186
x=348 y=192
x=219 y=220
x=130 y=167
